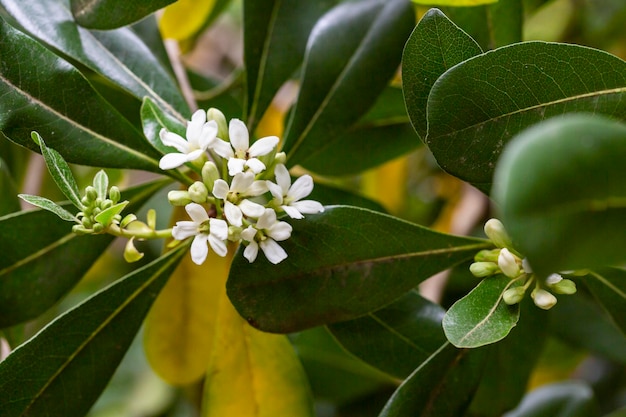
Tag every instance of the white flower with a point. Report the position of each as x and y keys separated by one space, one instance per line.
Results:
x=215 y=234
x=268 y=230
x=235 y=205
x=543 y=299
x=200 y=134
x=288 y=196
x=508 y=264
x=239 y=153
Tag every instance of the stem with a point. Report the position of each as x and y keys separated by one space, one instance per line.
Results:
x=173 y=53
x=233 y=80
x=115 y=230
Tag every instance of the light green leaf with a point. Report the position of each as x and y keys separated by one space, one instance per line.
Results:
x=105 y=217
x=608 y=286
x=49 y=205
x=561 y=399
x=481 y=317
x=111 y=14
x=561 y=192
x=476 y=107
x=101 y=184
x=339 y=267
x=63 y=369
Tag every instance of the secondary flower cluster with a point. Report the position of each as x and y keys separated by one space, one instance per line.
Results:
x=242 y=190
x=507 y=261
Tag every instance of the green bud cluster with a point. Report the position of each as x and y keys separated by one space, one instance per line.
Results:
x=100 y=207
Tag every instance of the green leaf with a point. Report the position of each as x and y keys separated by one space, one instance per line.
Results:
x=559 y=219
x=118 y=55
x=382 y=134
x=396 y=339
x=442 y=386
x=49 y=205
x=476 y=107
x=435 y=46
x=608 y=286
x=153 y=119
x=339 y=267
x=111 y=14
x=43 y=259
x=101 y=184
x=8 y=190
x=481 y=317
x=562 y=399
x=105 y=217
x=341 y=80
x=329 y=195
x=60 y=171
x=275 y=36
x=46 y=94
x=64 y=368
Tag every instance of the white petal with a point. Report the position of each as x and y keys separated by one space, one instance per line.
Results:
x=220 y=189
x=276 y=191
x=222 y=148
x=199 y=249
x=255 y=165
x=280 y=231
x=207 y=135
x=292 y=212
x=553 y=279
x=263 y=146
x=301 y=188
x=273 y=252
x=251 y=209
x=267 y=220
x=235 y=166
x=173 y=140
x=195 y=154
x=257 y=188
x=248 y=234
x=308 y=206
x=241 y=182
x=238 y=133
x=172 y=160
x=184 y=229
x=197 y=213
x=233 y=214
x=251 y=251
x=219 y=228
x=218 y=245
x=283 y=179
x=194 y=127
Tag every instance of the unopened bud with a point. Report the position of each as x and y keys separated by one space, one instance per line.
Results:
x=483 y=269
x=513 y=295
x=280 y=158
x=495 y=231
x=114 y=194
x=210 y=174
x=543 y=299
x=91 y=193
x=553 y=279
x=487 y=255
x=508 y=264
x=198 y=192
x=526 y=266
x=565 y=286
x=178 y=198
x=98 y=228
x=220 y=119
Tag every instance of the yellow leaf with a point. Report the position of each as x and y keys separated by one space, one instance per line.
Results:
x=184 y=18
x=180 y=327
x=253 y=374
x=454 y=3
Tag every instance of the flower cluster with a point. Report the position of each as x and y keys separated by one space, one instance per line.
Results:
x=507 y=261
x=241 y=192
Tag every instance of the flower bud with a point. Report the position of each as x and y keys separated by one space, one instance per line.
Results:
x=280 y=158
x=91 y=193
x=483 y=269
x=553 y=279
x=210 y=174
x=114 y=194
x=220 y=119
x=178 y=198
x=565 y=286
x=543 y=299
x=494 y=229
x=198 y=192
x=513 y=295
x=508 y=264
x=526 y=266
x=98 y=228
x=487 y=255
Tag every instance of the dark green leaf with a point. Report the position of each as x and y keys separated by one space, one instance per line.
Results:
x=396 y=339
x=9 y=202
x=476 y=107
x=275 y=35
x=342 y=264
x=111 y=14
x=329 y=196
x=435 y=46
x=561 y=190
x=49 y=205
x=154 y=119
x=63 y=369
x=562 y=399
x=442 y=386
x=608 y=286
x=353 y=52
x=37 y=268
x=481 y=317
x=119 y=55
x=46 y=94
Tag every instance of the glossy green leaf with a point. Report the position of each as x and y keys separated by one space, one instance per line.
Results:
x=562 y=399
x=608 y=286
x=46 y=94
x=63 y=369
x=9 y=202
x=561 y=192
x=36 y=268
x=153 y=119
x=340 y=266
x=105 y=217
x=330 y=195
x=111 y=14
x=382 y=134
x=49 y=205
x=481 y=317
x=275 y=36
x=442 y=386
x=435 y=46
x=118 y=55
x=341 y=80
x=396 y=339
x=476 y=107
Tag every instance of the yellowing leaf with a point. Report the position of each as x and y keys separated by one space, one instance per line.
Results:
x=253 y=374
x=454 y=3
x=183 y=19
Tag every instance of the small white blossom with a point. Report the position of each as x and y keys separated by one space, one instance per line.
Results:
x=543 y=299
x=508 y=264
x=267 y=231
x=288 y=196
x=200 y=134
x=239 y=153
x=215 y=234
x=235 y=204
x=553 y=279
